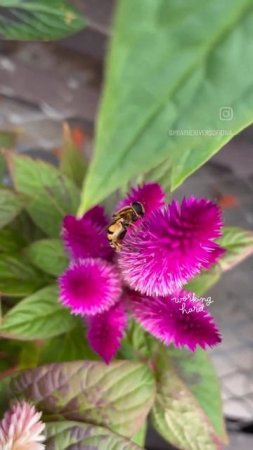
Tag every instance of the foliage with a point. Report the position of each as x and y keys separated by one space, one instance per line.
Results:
x=171 y=82
x=38 y=19
x=39 y=316
x=63 y=435
x=187 y=410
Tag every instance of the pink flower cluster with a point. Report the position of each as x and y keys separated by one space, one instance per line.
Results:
x=160 y=254
x=21 y=428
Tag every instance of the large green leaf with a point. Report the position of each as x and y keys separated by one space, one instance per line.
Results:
x=10 y=206
x=51 y=193
x=39 y=316
x=18 y=277
x=73 y=435
x=238 y=244
x=38 y=19
x=48 y=255
x=188 y=409
x=172 y=65
x=118 y=396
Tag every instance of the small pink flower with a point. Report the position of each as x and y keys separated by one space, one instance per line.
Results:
x=89 y=286
x=171 y=246
x=180 y=319
x=21 y=428
x=106 y=330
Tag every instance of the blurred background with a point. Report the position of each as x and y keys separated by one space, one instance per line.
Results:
x=44 y=84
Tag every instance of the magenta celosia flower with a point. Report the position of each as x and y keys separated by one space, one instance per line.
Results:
x=160 y=253
x=150 y=195
x=86 y=237
x=106 y=330
x=89 y=286
x=181 y=319
x=21 y=428
x=171 y=246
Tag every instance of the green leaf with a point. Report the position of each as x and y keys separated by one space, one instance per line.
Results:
x=72 y=162
x=29 y=355
x=72 y=346
x=17 y=277
x=238 y=244
x=9 y=351
x=48 y=255
x=5 y=394
x=8 y=139
x=50 y=193
x=38 y=19
x=10 y=206
x=173 y=67
x=205 y=280
x=69 y=435
x=2 y=168
x=188 y=408
x=140 y=437
x=137 y=344
x=117 y=396
x=17 y=355
x=26 y=228
x=39 y=316
x=10 y=241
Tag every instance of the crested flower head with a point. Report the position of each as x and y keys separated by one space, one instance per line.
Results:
x=21 y=428
x=171 y=246
x=180 y=319
x=159 y=254
x=86 y=237
x=89 y=286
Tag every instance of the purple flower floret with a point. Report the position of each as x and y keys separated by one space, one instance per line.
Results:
x=160 y=253
x=179 y=319
x=86 y=237
x=106 y=330
x=89 y=286
x=171 y=246
x=151 y=195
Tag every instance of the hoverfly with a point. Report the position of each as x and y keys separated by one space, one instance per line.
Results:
x=121 y=221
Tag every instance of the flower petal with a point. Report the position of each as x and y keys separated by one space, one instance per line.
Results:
x=89 y=286
x=97 y=216
x=171 y=246
x=106 y=330
x=180 y=319
x=150 y=195
x=86 y=237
